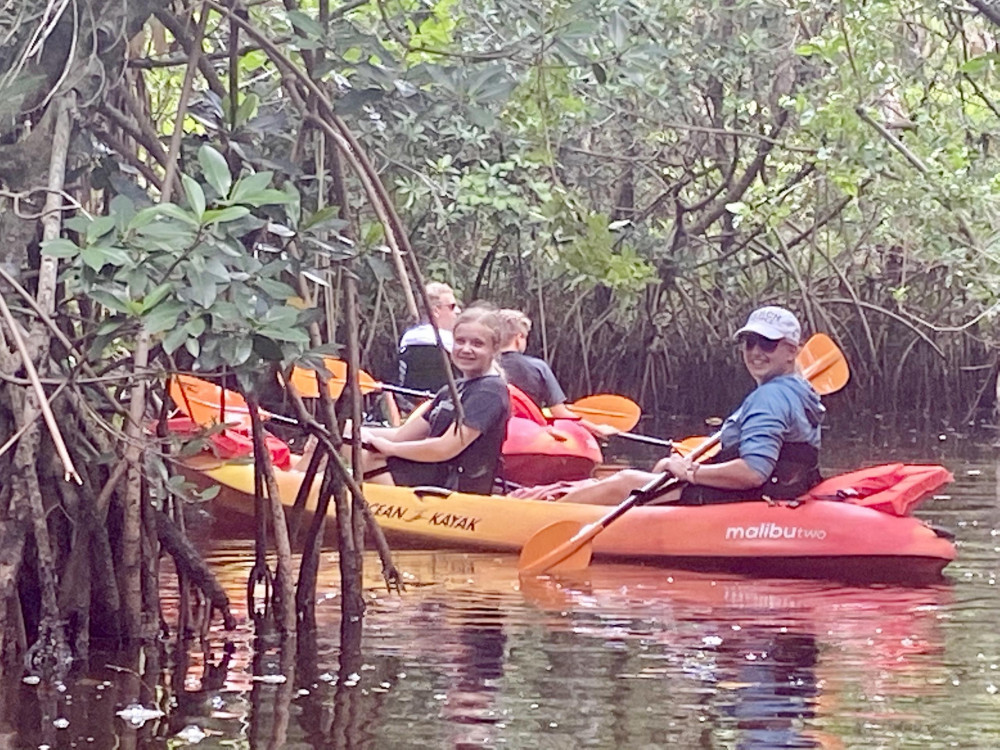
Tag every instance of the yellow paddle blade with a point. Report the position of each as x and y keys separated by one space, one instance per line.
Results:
x=552 y=538
x=608 y=409
x=202 y=400
x=823 y=364
x=305 y=381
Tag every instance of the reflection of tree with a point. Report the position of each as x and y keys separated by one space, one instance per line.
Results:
x=774 y=676
x=477 y=667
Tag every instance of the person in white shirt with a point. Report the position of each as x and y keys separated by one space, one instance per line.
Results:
x=420 y=363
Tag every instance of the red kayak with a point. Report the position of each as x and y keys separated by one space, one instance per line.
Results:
x=539 y=450
x=544 y=453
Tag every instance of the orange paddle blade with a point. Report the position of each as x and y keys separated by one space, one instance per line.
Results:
x=306 y=383
x=689 y=444
x=202 y=400
x=608 y=409
x=823 y=364
x=554 y=537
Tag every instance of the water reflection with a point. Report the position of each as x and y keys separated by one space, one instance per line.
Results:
x=624 y=656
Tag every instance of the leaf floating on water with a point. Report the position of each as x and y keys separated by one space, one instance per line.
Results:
x=137 y=715
x=192 y=734
x=270 y=679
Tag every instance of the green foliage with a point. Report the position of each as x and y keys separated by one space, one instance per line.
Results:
x=203 y=276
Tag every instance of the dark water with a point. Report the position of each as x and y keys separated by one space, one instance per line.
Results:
x=623 y=656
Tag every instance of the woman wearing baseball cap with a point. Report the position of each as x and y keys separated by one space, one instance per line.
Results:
x=770 y=446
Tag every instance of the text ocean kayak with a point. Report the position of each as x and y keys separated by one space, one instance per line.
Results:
x=852 y=525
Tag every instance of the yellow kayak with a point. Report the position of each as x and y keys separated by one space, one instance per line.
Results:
x=817 y=535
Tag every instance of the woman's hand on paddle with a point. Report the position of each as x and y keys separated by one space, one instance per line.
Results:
x=675 y=463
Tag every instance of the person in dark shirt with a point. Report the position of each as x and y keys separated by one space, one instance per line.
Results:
x=532 y=375
x=431 y=448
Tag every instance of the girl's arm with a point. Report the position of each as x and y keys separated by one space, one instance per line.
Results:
x=427 y=450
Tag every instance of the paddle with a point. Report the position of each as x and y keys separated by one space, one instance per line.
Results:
x=559 y=547
x=306 y=383
x=202 y=401
x=608 y=409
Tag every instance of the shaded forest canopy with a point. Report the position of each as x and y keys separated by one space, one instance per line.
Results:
x=635 y=176
x=236 y=187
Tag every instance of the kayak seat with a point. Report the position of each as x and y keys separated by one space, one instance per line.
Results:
x=522 y=406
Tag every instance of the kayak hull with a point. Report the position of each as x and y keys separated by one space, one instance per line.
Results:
x=536 y=453
x=812 y=538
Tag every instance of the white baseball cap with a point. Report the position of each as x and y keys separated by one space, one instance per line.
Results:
x=774 y=323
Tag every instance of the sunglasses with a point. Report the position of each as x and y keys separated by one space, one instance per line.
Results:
x=749 y=340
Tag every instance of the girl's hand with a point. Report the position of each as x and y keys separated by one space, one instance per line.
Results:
x=377 y=444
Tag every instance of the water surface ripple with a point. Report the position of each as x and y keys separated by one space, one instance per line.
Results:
x=621 y=656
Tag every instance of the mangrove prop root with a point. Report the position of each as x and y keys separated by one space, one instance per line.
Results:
x=187 y=559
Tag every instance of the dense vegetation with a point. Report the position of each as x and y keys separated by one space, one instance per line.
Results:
x=635 y=175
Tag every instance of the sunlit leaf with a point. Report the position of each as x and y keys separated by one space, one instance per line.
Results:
x=216 y=170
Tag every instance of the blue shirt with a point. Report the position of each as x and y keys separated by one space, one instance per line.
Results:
x=782 y=410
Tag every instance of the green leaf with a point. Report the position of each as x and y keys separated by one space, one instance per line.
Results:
x=269 y=197
x=95 y=257
x=617 y=30
x=202 y=290
x=222 y=215
x=304 y=25
x=174 y=340
x=156 y=296
x=216 y=170
x=163 y=317
x=176 y=212
x=99 y=227
x=247 y=109
x=193 y=347
x=195 y=327
x=327 y=217
x=236 y=350
x=112 y=301
x=60 y=248
x=291 y=335
x=250 y=185
x=195 y=195
x=978 y=64
x=123 y=210
x=277 y=290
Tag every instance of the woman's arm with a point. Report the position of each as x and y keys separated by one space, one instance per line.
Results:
x=728 y=475
x=428 y=450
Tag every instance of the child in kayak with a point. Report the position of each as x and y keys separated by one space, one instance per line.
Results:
x=532 y=375
x=770 y=446
x=430 y=448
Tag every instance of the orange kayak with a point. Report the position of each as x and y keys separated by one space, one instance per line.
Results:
x=853 y=525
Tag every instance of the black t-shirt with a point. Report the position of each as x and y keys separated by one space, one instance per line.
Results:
x=487 y=405
x=533 y=376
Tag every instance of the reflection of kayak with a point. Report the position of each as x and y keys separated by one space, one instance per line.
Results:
x=536 y=453
x=819 y=535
